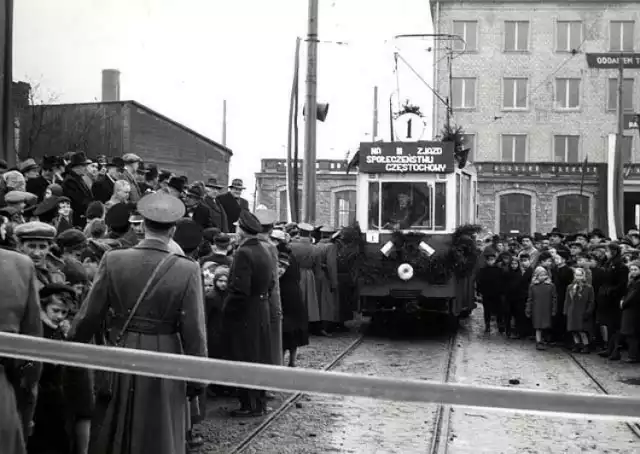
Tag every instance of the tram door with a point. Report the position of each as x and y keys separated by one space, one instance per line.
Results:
x=631 y=210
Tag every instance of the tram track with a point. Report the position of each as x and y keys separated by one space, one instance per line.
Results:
x=290 y=402
x=441 y=424
x=633 y=427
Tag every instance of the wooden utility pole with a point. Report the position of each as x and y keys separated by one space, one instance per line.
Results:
x=6 y=59
x=309 y=172
x=374 y=130
x=619 y=159
x=224 y=122
x=292 y=142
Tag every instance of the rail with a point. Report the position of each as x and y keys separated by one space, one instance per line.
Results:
x=182 y=367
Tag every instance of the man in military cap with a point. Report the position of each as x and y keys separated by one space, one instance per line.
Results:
x=219 y=251
x=131 y=164
x=246 y=312
x=168 y=319
x=35 y=240
x=326 y=233
x=327 y=282
x=267 y=220
x=19 y=314
x=306 y=254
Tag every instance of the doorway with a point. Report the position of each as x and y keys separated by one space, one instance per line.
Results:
x=631 y=210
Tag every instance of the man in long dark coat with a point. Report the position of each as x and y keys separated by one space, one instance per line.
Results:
x=146 y=414
x=19 y=313
x=219 y=216
x=76 y=189
x=246 y=309
x=103 y=187
x=233 y=203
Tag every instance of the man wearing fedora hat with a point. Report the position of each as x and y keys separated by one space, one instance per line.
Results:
x=39 y=184
x=103 y=187
x=233 y=203
x=75 y=188
x=218 y=215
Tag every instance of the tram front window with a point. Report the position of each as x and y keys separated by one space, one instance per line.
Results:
x=400 y=205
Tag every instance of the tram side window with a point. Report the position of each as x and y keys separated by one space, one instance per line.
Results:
x=406 y=205
x=440 y=206
x=374 y=205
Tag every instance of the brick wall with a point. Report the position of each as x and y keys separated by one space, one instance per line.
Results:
x=270 y=186
x=541 y=121
x=158 y=140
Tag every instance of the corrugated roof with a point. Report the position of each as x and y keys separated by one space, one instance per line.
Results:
x=157 y=114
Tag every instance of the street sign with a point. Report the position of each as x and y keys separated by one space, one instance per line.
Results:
x=630 y=121
x=409 y=127
x=612 y=60
x=406 y=157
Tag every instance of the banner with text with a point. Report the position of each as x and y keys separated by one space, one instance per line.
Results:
x=407 y=157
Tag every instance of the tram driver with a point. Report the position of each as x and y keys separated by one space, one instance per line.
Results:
x=404 y=206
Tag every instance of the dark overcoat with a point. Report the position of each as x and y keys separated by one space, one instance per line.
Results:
x=232 y=207
x=218 y=215
x=630 y=322
x=295 y=323
x=246 y=310
x=38 y=186
x=579 y=307
x=613 y=287
x=103 y=188
x=145 y=414
x=19 y=313
x=80 y=195
x=542 y=304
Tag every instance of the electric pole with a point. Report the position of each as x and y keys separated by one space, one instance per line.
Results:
x=6 y=58
x=619 y=159
x=374 y=131
x=309 y=172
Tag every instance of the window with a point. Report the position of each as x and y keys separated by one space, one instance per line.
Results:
x=515 y=93
x=344 y=213
x=283 y=211
x=572 y=213
x=627 y=149
x=621 y=35
x=568 y=35
x=516 y=36
x=567 y=93
x=515 y=213
x=463 y=94
x=470 y=143
x=565 y=148
x=514 y=148
x=467 y=30
x=627 y=95
x=408 y=205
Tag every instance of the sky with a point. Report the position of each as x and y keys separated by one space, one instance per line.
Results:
x=183 y=58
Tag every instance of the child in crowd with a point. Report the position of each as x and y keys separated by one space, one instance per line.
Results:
x=541 y=304
x=490 y=285
x=579 y=307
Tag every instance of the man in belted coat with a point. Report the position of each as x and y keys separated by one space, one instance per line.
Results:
x=19 y=314
x=219 y=216
x=267 y=220
x=246 y=313
x=169 y=319
x=233 y=203
x=76 y=189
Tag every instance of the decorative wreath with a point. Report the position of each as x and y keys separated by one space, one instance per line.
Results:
x=373 y=266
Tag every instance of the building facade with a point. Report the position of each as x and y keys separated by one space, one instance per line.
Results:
x=533 y=111
x=335 y=198
x=119 y=127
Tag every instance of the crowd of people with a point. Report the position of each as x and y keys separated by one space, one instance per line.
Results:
x=116 y=252
x=580 y=291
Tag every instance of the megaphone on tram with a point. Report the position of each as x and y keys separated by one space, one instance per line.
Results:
x=322 y=109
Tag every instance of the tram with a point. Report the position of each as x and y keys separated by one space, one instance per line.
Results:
x=416 y=209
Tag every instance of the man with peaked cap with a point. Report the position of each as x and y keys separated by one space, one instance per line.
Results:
x=17 y=202
x=246 y=312
x=267 y=219
x=326 y=233
x=103 y=187
x=306 y=255
x=327 y=284
x=35 y=240
x=218 y=215
x=131 y=164
x=219 y=251
x=19 y=314
x=169 y=319
x=76 y=189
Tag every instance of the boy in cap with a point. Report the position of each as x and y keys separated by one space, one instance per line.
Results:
x=169 y=319
x=219 y=251
x=35 y=239
x=246 y=309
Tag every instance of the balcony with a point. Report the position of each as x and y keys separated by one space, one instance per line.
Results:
x=322 y=166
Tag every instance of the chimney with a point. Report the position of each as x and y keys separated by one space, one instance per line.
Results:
x=110 y=85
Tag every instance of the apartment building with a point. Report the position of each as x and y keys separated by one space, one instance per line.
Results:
x=538 y=120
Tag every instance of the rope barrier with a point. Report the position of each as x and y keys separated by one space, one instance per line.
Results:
x=260 y=376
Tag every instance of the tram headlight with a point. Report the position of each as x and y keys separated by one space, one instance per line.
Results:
x=405 y=271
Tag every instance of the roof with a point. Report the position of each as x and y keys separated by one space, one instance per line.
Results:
x=157 y=114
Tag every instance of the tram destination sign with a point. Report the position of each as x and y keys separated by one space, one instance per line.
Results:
x=407 y=157
x=612 y=60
